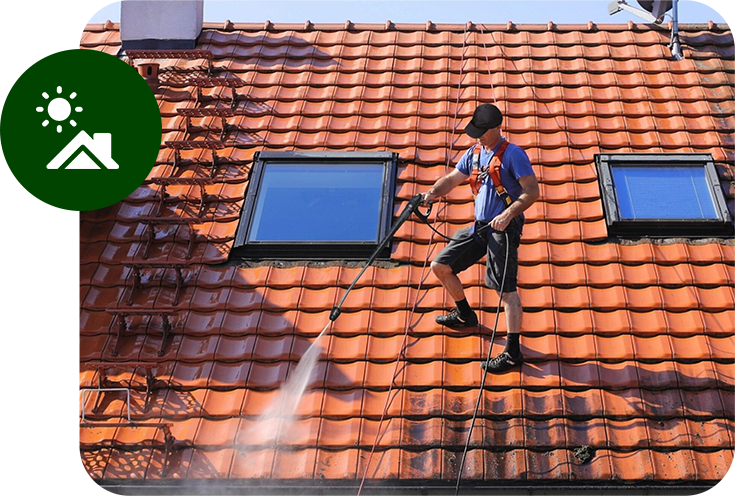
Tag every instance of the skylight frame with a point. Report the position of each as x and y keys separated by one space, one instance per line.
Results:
x=662 y=227
x=315 y=250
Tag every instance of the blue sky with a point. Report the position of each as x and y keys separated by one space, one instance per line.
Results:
x=561 y=11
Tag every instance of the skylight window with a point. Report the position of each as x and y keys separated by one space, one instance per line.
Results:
x=662 y=195
x=317 y=205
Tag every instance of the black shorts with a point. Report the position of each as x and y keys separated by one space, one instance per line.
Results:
x=466 y=251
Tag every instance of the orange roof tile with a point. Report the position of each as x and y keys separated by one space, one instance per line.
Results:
x=629 y=346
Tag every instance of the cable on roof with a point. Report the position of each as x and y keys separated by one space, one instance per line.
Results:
x=523 y=76
x=484 y=375
x=429 y=251
x=487 y=64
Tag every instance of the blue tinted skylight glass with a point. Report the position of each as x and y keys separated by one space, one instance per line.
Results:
x=318 y=202
x=663 y=193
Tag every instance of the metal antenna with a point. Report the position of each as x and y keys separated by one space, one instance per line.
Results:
x=655 y=12
x=619 y=5
x=675 y=44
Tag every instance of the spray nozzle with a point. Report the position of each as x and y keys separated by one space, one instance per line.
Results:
x=413 y=206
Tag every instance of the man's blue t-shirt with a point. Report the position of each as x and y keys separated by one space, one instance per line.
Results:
x=516 y=164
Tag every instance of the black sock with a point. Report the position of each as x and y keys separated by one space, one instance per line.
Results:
x=464 y=308
x=513 y=345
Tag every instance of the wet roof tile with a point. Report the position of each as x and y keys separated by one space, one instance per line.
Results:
x=633 y=465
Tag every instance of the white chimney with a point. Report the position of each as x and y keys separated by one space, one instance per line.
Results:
x=160 y=25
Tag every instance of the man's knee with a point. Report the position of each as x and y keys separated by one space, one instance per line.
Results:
x=440 y=270
x=512 y=300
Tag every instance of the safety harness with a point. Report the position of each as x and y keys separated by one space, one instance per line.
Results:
x=478 y=175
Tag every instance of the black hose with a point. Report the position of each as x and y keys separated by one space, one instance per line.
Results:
x=481 y=229
x=482 y=381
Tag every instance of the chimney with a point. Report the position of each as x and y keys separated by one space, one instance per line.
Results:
x=160 y=25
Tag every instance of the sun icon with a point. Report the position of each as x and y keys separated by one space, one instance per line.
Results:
x=59 y=109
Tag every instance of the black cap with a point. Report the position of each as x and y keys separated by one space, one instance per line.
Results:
x=486 y=116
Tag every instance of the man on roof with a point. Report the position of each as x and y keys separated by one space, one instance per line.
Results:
x=496 y=231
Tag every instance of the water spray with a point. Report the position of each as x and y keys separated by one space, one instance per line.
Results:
x=287 y=398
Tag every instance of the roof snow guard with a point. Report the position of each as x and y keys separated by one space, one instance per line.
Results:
x=629 y=346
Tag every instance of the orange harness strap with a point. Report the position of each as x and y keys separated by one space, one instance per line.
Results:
x=493 y=170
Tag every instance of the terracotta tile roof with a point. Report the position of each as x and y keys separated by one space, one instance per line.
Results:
x=629 y=347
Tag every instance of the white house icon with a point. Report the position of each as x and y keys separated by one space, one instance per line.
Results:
x=100 y=147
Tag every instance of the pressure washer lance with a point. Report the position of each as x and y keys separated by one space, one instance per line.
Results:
x=411 y=208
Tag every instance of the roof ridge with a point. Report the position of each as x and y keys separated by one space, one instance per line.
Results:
x=469 y=25
x=432 y=26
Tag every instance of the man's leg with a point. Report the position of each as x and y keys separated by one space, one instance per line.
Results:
x=513 y=319
x=463 y=315
x=511 y=355
x=449 y=280
x=458 y=255
x=502 y=273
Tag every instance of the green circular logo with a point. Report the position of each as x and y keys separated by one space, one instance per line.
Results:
x=80 y=130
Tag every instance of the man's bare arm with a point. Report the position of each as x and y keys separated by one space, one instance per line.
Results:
x=444 y=185
x=530 y=194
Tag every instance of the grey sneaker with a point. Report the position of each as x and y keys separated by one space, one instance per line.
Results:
x=501 y=363
x=454 y=320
